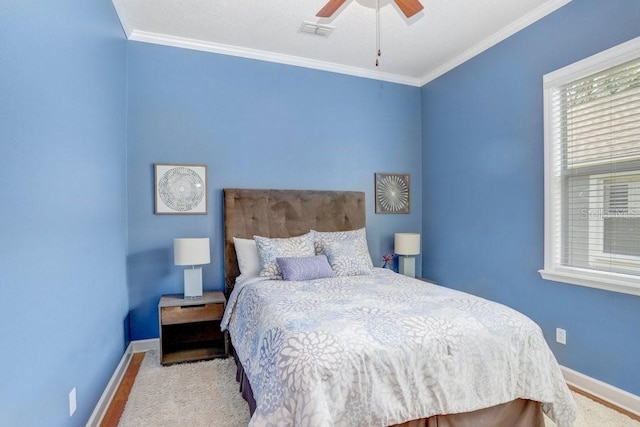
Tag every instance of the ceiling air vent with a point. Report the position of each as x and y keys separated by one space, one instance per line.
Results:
x=315 y=29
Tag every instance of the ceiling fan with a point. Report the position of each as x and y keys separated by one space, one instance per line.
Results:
x=408 y=7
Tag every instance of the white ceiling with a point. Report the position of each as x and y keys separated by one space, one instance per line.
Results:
x=414 y=51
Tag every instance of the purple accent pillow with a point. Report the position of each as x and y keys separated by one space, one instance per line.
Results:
x=304 y=268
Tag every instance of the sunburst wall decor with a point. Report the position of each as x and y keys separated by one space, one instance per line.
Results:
x=392 y=193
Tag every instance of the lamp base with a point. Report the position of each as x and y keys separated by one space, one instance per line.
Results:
x=193 y=282
x=407 y=266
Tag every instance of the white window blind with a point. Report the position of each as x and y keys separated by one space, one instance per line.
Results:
x=592 y=170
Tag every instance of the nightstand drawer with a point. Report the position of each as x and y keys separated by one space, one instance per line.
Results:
x=191 y=313
x=190 y=328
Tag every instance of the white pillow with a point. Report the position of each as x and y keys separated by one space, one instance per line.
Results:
x=248 y=259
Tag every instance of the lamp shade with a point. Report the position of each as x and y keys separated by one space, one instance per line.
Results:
x=407 y=244
x=191 y=251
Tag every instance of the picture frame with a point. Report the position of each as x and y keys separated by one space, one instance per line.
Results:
x=393 y=193
x=180 y=189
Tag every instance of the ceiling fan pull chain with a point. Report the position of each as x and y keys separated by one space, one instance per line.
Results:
x=378 y=32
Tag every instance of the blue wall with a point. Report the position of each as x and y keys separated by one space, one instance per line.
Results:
x=69 y=181
x=483 y=177
x=63 y=217
x=255 y=125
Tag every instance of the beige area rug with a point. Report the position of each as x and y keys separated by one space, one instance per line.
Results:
x=206 y=394
x=593 y=414
x=189 y=394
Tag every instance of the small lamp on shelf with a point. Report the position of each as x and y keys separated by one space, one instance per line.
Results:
x=193 y=252
x=407 y=245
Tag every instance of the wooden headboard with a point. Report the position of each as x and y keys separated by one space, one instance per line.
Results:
x=285 y=213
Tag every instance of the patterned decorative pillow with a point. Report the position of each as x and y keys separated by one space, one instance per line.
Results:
x=305 y=268
x=271 y=249
x=349 y=257
x=322 y=238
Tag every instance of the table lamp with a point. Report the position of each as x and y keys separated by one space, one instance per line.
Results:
x=407 y=245
x=193 y=252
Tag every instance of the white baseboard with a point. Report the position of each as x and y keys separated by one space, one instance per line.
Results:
x=109 y=392
x=618 y=397
x=140 y=346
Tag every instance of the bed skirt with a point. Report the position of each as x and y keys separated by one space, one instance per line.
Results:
x=245 y=387
x=517 y=413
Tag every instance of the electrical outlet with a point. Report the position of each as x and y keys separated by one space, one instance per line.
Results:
x=72 y=402
x=561 y=336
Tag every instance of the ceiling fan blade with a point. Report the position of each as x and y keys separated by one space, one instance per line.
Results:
x=330 y=8
x=409 y=7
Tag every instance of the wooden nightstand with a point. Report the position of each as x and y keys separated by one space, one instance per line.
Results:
x=190 y=328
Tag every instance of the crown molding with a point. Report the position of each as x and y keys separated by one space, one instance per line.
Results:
x=535 y=15
x=193 y=44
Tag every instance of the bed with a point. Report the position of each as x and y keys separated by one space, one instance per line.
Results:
x=374 y=348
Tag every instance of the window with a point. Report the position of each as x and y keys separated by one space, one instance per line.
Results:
x=592 y=171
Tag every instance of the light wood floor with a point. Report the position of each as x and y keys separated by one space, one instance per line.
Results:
x=112 y=417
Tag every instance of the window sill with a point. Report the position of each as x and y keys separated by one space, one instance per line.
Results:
x=607 y=281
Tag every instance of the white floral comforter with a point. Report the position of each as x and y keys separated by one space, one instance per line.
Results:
x=383 y=349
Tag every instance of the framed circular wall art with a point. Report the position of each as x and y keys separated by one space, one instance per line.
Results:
x=392 y=193
x=181 y=189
